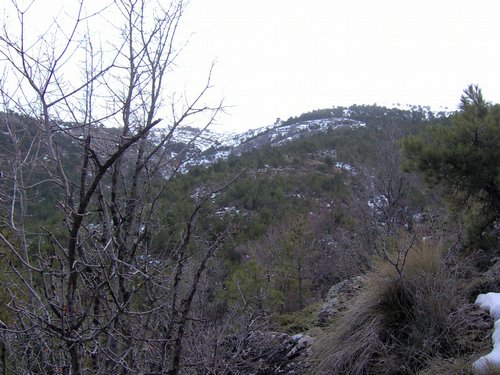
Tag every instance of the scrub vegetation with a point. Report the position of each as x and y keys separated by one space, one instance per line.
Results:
x=119 y=254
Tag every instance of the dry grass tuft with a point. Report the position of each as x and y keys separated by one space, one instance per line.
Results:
x=443 y=366
x=397 y=325
x=455 y=366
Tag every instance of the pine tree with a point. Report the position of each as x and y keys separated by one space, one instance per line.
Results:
x=463 y=158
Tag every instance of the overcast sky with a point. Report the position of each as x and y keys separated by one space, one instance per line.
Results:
x=279 y=58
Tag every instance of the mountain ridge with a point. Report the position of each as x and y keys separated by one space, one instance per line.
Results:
x=209 y=146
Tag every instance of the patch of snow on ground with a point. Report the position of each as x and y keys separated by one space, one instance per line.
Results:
x=227 y=210
x=221 y=154
x=490 y=302
x=345 y=166
x=378 y=204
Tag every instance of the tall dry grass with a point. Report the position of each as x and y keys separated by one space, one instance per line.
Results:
x=400 y=322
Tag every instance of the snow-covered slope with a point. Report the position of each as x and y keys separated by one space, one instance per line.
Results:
x=222 y=145
x=192 y=146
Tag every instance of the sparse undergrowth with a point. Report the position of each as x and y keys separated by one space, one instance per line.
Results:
x=405 y=325
x=299 y=321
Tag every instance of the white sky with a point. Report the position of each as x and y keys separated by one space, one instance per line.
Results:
x=280 y=58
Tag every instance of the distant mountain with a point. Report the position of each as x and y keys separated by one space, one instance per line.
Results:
x=208 y=146
x=237 y=144
x=190 y=146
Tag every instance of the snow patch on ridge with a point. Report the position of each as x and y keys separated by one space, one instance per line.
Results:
x=203 y=147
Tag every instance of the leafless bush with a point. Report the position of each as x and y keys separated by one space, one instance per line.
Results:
x=88 y=294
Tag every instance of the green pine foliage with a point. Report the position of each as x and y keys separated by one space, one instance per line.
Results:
x=463 y=159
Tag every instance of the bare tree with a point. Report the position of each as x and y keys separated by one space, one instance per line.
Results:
x=392 y=198
x=90 y=295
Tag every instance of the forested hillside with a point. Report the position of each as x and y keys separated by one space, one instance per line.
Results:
x=304 y=214
x=134 y=240
x=254 y=242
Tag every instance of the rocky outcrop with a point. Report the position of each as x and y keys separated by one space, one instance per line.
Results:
x=270 y=353
x=276 y=353
x=337 y=297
